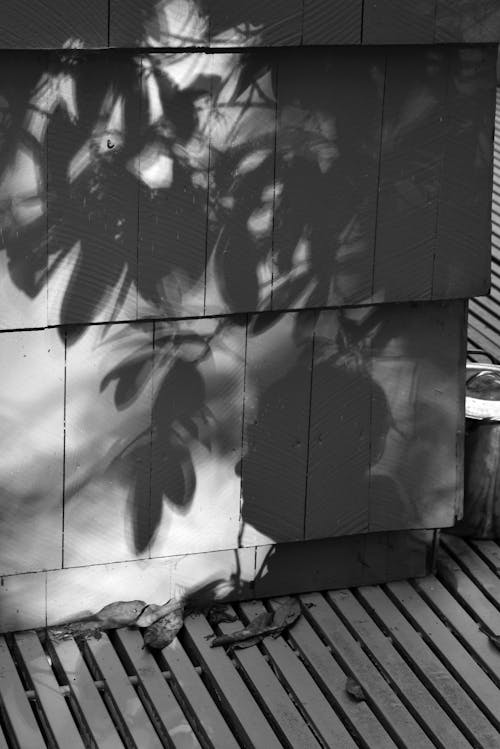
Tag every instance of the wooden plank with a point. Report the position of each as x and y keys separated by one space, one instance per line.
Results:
x=32 y=404
x=86 y=700
x=3 y=740
x=400 y=676
x=298 y=680
x=276 y=426
x=398 y=22
x=465 y=668
x=161 y=705
x=489 y=551
x=332 y=679
x=40 y=24
x=481 y=321
x=172 y=222
x=461 y=623
x=466 y=21
x=416 y=425
x=339 y=437
x=327 y=159
x=332 y=22
x=26 y=97
x=483 y=340
x=413 y=139
x=107 y=457
x=128 y=709
x=462 y=263
x=244 y=715
x=387 y=706
x=430 y=669
x=273 y=699
x=197 y=414
x=467 y=592
x=195 y=699
x=15 y=705
x=486 y=308
x=242 y=127
x=474 y=566
x=94 y=192
x=59 y=719
x=266 y=24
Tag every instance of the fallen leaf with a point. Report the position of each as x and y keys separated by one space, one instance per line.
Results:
x=164 y=630
x=354 y=689
x=258 y=626
x=119 y=614
x=286 y=613
x=493 y=638
x=267 y=623
x=147 y=616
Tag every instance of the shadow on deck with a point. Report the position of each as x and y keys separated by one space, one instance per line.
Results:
x=408 y=664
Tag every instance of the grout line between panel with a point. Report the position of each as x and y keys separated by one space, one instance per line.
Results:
x=137 y=243
x=304 y=527
x=153 y=343
x=274 y=180
x=64 y=446
x=240 y=524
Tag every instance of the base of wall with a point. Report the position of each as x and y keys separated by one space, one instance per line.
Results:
x=42 y=599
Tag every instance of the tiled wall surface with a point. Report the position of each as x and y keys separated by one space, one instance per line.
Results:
x=232 y=285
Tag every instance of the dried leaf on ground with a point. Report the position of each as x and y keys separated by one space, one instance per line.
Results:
x=354 y=689
x=495 y=641
x=267 y=623
x=78 y=630
x=164 y=630
x=154 y=611
x=286 y=613
x=119 y=614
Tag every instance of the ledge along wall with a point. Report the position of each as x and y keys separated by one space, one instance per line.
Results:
x=233 y=293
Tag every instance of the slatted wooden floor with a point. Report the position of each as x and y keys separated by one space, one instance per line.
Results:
x=484 y=312
x=430 y=675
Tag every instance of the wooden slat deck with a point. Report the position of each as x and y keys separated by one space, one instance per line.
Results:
x=484 y=312
x=419 y=649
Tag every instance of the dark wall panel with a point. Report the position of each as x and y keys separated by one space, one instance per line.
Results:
x=413 y=140
x=327 y=161
x=46 y=24
x=276 y=425
x=467 y=21
x=93 y=190
x=462 y=264
x=332 y=22
x=171 y=167
x=242 y=138
x=398 y=21
x=339 y=438
x=23 y=188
